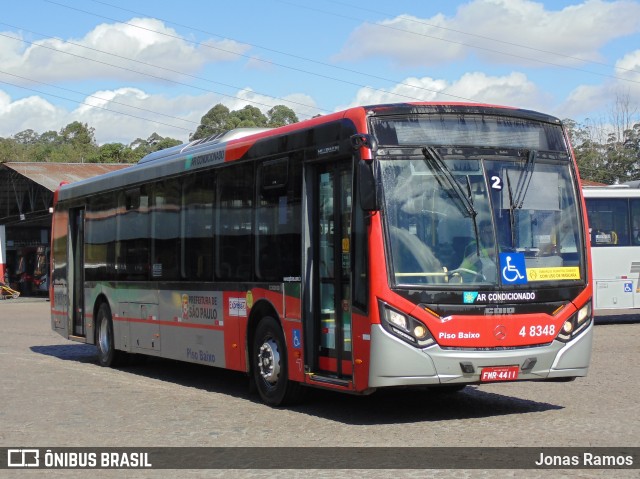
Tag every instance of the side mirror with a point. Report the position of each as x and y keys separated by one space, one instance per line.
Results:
x=367 y=185
x=361 y=140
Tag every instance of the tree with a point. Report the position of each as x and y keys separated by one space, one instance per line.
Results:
x=8 y=150
x=26 y=137
x=109 y=153
x=220 y=119
x=78 y=134
x=247 y=117
x=609 y=153
x=50 y=137
x=587 y=140
x=212 y=123
x=620 y=142
x=166 y=143
x=281 y=115
x=155 y=142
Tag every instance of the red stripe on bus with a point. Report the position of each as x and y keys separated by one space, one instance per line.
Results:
x=171 y=323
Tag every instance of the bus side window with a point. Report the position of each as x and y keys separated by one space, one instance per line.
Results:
x=165 y=230
x=278 y=220
x=197 y=227
x=100 y=238
x=635 y=221
x=608 y=221
x=234 y=223
x=132 y=244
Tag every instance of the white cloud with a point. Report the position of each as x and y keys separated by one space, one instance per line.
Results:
x=583 y=100
x=411 y=89
x=120 y=115
x=628 y=67
x=129 y=113
x=514 y=89
x=17 y=116
x=575 y=31
x=146 y=41
x=406 y=40
x=124 y=114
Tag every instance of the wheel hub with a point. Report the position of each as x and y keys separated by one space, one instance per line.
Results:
x=269 y=361
x=103 y=336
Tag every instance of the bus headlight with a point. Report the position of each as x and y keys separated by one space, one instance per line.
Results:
x=397 y=319
x=405 y=327
x=584 y=313
x=576 y=323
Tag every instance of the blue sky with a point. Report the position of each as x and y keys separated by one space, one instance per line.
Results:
x=158 y=66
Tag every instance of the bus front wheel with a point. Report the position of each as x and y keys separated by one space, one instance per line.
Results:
x=108 y=356
x=270 y=372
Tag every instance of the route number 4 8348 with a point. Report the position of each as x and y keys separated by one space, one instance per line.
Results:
x=537 y=331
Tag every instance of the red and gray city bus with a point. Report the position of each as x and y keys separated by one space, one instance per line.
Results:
x=389 y=245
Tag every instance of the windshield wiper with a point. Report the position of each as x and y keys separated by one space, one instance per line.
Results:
x=524 y=180
x=464 y=202
x=522 y=186
x=435 y=159
x=512 y=219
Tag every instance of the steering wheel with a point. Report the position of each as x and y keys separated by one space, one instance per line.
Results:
x=474 y=274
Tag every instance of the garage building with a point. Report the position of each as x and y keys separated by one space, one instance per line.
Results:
x=26 y=199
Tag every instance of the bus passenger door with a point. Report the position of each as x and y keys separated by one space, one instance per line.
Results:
x=76 y=271
x=330 y=240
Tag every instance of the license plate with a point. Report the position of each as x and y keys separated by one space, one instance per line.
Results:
x=500 y=373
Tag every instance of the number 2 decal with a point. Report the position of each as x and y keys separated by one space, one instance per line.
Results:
x=496 y=183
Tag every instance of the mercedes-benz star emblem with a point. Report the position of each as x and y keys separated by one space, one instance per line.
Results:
x=500 y=332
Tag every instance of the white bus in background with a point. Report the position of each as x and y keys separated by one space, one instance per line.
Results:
x=614 y=224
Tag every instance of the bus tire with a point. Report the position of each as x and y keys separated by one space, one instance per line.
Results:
x=270 y=372
x=108 y=356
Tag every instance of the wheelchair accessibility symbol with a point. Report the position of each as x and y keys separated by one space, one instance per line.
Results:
x=513 y=269
x=297 y=343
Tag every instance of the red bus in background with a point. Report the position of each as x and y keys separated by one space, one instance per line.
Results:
x=416 y=244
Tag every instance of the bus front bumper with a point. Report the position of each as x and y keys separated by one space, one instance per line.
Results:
x=396 y=363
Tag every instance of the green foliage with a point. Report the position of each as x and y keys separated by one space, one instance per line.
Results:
x=76 y=142
x=212 y=123
x=220 y=119
x=604 y=156
x=78 y=134
x=281 y=115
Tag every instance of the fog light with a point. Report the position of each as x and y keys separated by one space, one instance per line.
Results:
x=467 y=367
x=529 y=363
x=420 y=332
x=568 y=327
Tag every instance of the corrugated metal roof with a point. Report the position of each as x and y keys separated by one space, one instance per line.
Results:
x=592 y=183
x=50 y=175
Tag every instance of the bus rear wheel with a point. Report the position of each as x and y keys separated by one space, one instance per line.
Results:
x=270 y=372
x=108 y=356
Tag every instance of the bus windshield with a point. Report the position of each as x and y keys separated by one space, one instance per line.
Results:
x=506 y=218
